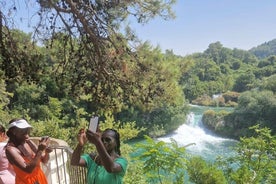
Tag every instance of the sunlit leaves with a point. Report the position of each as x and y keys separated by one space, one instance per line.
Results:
x=255 y=159
x=163 y=163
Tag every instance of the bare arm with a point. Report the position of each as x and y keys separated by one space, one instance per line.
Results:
x=46 y=155
x=15 y=158
x=109 y=164
x=76 y=159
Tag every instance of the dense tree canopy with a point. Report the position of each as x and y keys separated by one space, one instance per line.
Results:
x=88 y=35
x=79 y=60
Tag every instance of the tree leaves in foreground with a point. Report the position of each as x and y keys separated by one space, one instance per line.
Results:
x=90 y=34
x=254 y=161
x=80 y=54
x=162 y=162
x=202 y=172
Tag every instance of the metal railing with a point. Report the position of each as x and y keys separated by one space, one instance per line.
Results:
x=59 y=170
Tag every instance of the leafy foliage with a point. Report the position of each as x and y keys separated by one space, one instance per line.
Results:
x=264 y=50
x=201 y=172
x=255 y=159
x=270 y=84
x=162 y=163
x=51 y=128
x=4 y=102
x=83 y=64
x=134 y=173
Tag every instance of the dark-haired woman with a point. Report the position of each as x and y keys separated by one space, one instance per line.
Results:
x=106 y=166
x=24 y=155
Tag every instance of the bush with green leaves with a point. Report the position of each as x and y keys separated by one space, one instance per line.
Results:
x=254 y=161
x=134 y=174
x=162 y=162
x=201 y=172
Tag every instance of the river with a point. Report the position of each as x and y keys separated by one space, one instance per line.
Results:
x=205 y=143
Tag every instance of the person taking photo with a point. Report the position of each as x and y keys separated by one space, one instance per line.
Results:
x=106 y=166
x=24 y=155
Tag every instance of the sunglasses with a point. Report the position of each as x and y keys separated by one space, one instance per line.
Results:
x=23 y=131
x=106 y=139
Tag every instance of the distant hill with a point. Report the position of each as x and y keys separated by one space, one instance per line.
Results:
x=264 y=50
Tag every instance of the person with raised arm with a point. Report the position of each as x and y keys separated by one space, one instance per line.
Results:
x=106 y=166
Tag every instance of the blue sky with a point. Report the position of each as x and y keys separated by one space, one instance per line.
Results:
x=241 y=24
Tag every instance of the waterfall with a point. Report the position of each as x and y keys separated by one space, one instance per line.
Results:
x=201 y=141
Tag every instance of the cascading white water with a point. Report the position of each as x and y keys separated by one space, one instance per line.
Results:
x=203 y=142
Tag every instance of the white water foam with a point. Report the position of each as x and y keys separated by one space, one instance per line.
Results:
x=200 y=140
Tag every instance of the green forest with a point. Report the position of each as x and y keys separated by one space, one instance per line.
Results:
x=81 y=60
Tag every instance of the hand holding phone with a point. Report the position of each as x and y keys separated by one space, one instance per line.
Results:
x=93 y=125
x=44 y=138
x=43 y=143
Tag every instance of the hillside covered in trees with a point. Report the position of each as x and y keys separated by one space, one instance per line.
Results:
x=265 y=49
x=242 y=80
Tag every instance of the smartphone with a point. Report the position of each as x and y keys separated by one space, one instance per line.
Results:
x=44 y=137
x=93 y=124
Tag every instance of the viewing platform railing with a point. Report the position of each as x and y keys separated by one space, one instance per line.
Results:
x=59 y=170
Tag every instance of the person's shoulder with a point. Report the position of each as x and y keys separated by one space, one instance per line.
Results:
x=88 y=156
x=123 y=163
x=12 y=149
x=2 y=144
x=121 y=160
